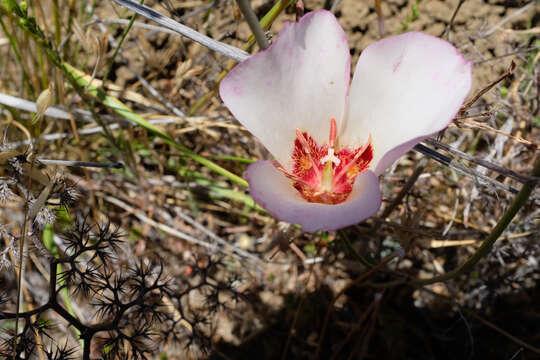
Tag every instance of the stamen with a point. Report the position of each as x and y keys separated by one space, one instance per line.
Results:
x=353 y=161
x=305 y=145
x=289 y=175
x=363 y=149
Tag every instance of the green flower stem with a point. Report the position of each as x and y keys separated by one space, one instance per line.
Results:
x=364 y=261
x=57 y=26
x=253 y=23
x=520 y=200
x=220 y=190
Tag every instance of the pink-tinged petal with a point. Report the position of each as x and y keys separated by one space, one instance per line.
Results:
x=405 y=88
x=300 y=81
x=273 y=191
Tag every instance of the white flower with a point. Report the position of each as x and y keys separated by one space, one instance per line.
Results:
x=330 y=141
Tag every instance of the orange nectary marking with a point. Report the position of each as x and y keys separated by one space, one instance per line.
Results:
x=309 y=165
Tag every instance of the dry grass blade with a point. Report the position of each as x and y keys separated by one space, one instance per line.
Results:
x=508 y=18
x=487 y=164
x=223 y=246
x=462 y=169
x=39 y=203
x=9 y=153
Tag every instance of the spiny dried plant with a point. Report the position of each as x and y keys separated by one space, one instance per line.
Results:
x=24 y=184
x=135 y=306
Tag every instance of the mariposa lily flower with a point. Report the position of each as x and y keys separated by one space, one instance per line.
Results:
x=330 y=143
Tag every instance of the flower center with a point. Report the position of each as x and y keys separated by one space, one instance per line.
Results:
x=324 y=174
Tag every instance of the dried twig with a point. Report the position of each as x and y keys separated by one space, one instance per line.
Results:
x=518 y=51
x=478 y=95
x=446 y=31
x=88 y=131
x=494 y=28
x=334 y=6
x=380 y=17
x=475 y=124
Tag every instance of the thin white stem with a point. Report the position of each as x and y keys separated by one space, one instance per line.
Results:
x=26 y=105
x=227 y=50
x=88 y=131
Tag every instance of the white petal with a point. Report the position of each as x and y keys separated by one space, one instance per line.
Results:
x=273 y=191
x=404 y=89
x=300 y=81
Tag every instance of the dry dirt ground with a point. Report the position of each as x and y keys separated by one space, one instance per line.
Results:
x=490 y=313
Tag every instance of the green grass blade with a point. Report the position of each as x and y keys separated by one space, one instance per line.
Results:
x=124 y=111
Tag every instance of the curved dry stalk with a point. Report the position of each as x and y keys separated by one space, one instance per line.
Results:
x=519 y=201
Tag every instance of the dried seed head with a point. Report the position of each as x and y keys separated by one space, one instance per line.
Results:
x=5 y=192
x=44 y=216
x=44 y=101
x=15 y=163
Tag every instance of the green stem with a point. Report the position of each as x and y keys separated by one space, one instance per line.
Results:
x=57 y=26
x=13 y=43
x=14 y=7
x=253 y=23
x=364 y=261
x=79 y=82
x=124 y=111
x=48 y=242
x=231 y=158
x=118 y=47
